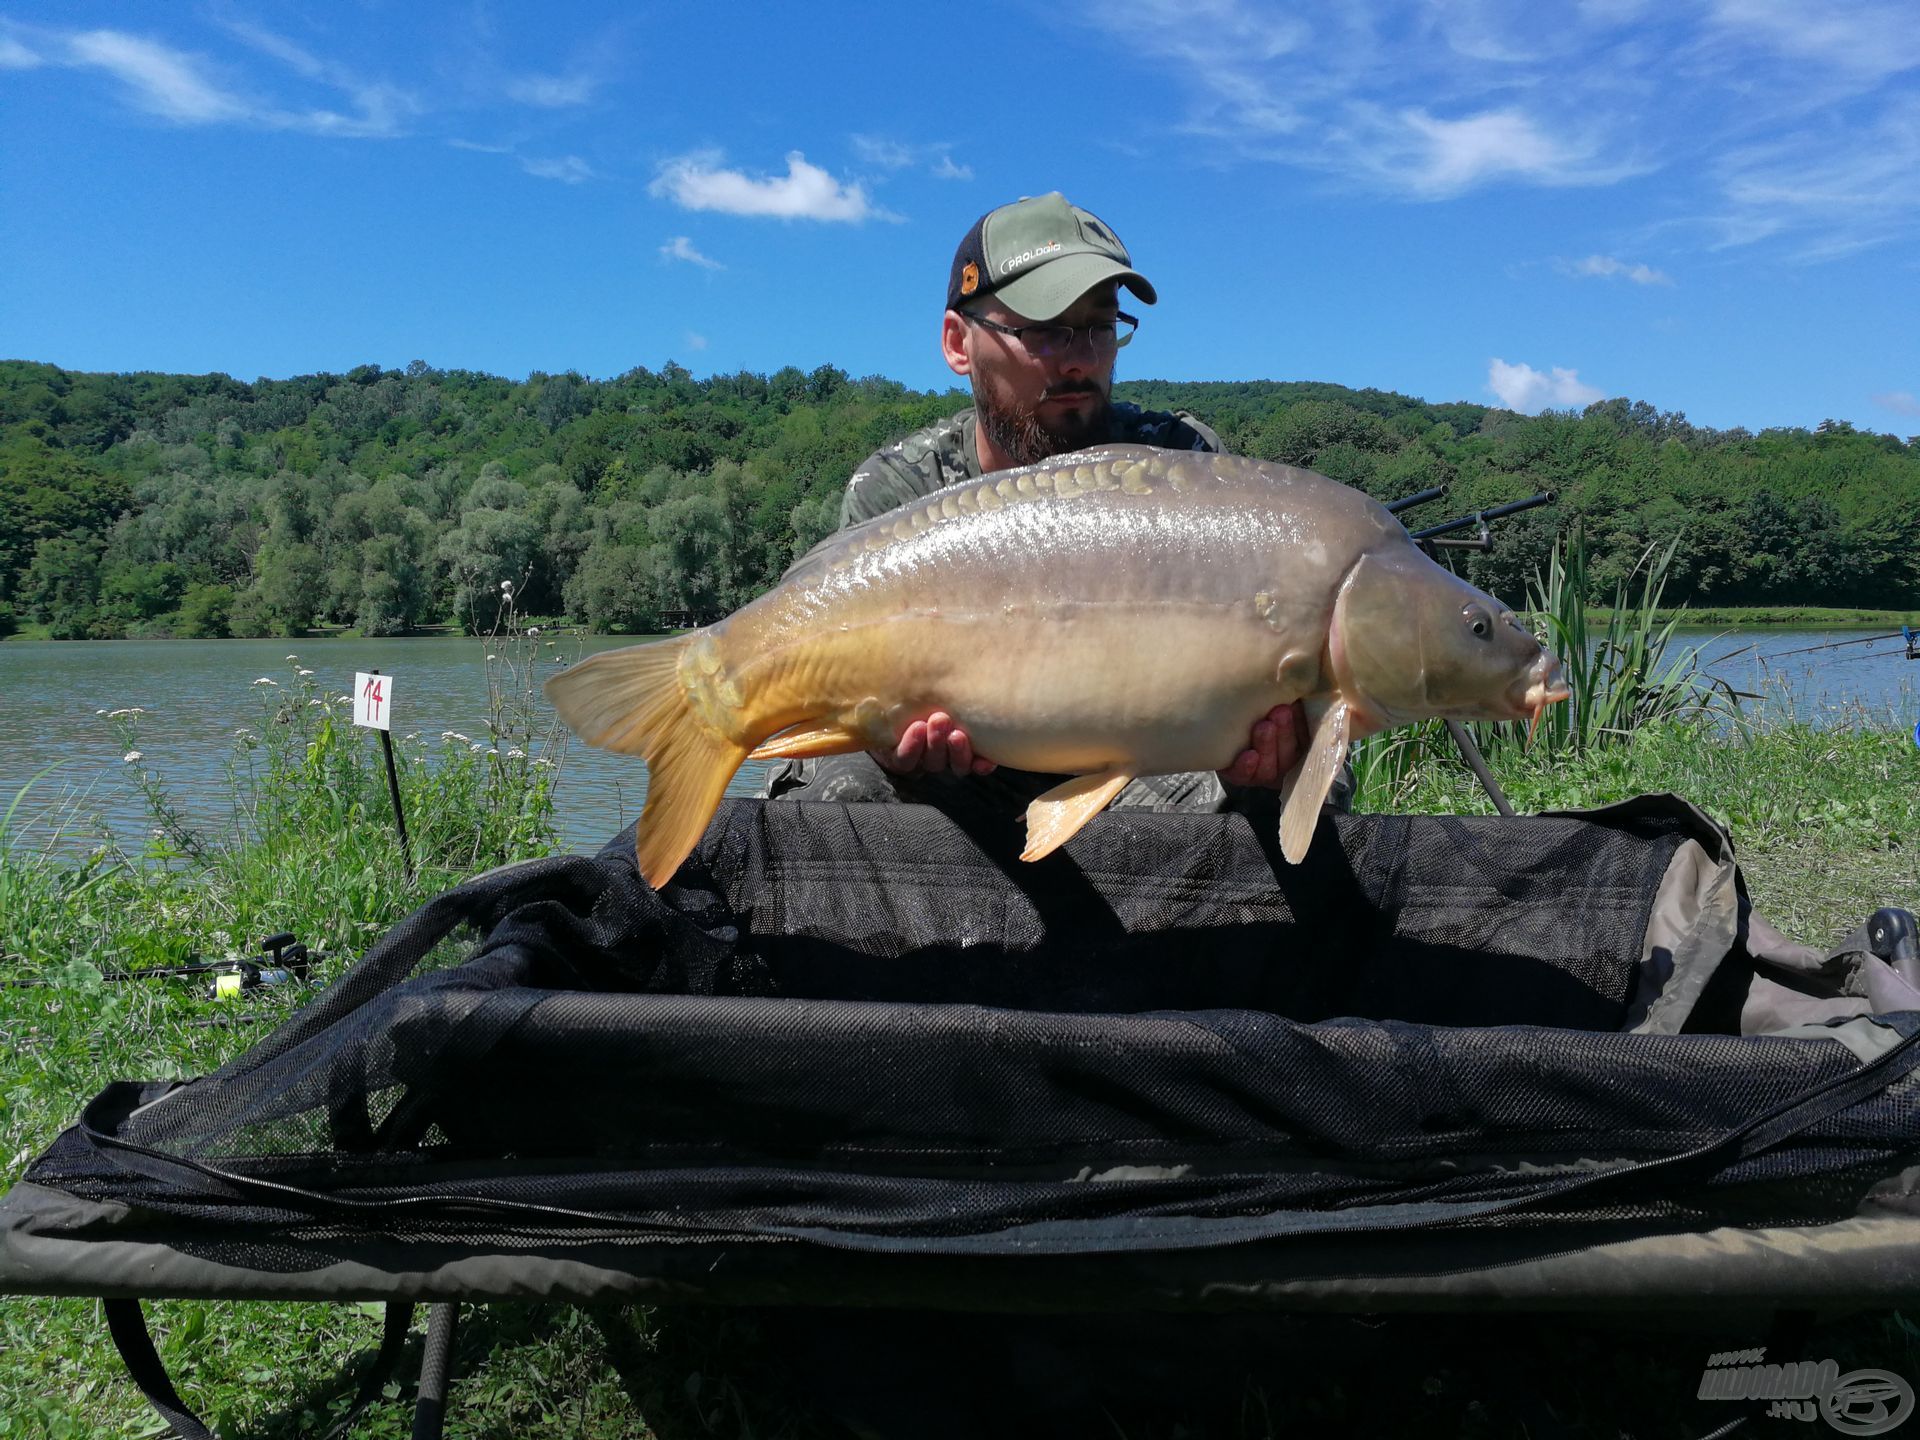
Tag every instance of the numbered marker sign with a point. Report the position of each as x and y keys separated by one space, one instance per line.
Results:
x=373 y=700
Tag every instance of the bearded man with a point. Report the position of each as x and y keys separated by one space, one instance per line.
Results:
x=1033 y=320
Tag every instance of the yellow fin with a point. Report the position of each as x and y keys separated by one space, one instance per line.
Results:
x=632 y=701
x=1306 y=790
x=1056 y=817
x=797 y=744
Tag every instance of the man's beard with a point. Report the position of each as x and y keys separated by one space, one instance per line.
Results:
x=1026 y=439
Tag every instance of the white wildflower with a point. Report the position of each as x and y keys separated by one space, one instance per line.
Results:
x=321 y=703
x=516 y=754
x=453 y=735
x=293 y=657
x=303 y=673
x=131 y=756
x=125 y=710
x=99 y=712
x=242 y=733
x=506 y=587
x=476 y=749
x=263 y=680
x=543 y=764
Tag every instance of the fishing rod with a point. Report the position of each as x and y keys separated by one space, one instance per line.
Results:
x=1903 y=633
x=1419 y=497
x=1480 y=520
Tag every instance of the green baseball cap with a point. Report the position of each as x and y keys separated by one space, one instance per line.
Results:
x=1039 y=255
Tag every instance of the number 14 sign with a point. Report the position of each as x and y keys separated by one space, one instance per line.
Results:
x=373 y=700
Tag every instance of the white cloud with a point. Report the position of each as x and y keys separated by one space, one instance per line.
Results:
x=696 y=341
x=1422 y=156
x=1901 y=402
x=680 y=247
x=15 y=56
x=568 y=169
x=1523 y=388
x=553 y=92
x=1607 y=267
x=945 y=169
x=477 y=147
x=805 y=192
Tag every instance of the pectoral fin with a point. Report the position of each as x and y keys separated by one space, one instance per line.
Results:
x=809 y=742
x=1056 y=817
x=1306 y=790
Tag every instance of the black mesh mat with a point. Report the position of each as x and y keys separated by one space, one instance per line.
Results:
x=869 y=1026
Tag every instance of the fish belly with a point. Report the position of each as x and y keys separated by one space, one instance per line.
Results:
x=1150 y=690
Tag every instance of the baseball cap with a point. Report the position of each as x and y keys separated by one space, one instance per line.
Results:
x=1039 y=255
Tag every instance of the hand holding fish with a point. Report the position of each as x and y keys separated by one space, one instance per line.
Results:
x=933 y=746
x=1273 y=749
x=938 y=745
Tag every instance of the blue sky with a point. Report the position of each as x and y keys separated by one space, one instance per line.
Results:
x=1712 y=207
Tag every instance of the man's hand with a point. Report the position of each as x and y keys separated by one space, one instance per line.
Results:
x=1274 y=748
x=933 y=746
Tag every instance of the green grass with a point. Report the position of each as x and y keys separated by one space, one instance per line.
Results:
x=1828 y=827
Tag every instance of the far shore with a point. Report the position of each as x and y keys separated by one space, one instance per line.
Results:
x=1714 y=617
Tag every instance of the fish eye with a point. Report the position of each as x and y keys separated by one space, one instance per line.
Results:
x=1477 y=621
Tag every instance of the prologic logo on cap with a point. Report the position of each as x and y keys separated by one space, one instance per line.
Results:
x=1028 y=257
x=970 y=279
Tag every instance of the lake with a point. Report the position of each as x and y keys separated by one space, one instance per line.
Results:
x=196 y=693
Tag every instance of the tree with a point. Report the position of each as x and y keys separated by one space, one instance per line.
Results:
x=206 y=613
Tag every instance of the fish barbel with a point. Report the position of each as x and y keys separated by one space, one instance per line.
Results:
x=1117 y=612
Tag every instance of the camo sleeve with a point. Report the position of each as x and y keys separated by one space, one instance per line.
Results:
x=926 y=461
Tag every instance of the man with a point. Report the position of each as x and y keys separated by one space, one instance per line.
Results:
x=1033 y=320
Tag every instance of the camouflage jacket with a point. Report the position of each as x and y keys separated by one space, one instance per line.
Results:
x=946 y=453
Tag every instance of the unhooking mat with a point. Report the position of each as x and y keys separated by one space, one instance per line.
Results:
x=860 y=1054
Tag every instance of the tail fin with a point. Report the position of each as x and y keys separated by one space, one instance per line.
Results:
x=632 y=701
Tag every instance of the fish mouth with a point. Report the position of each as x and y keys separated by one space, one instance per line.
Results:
x=1545 y=686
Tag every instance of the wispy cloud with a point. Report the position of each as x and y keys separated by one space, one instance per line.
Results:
x=157 y=78
x=568 y=169
x=1871 y=37
x=680 y=247
x=696 y=341
x=1753 y=120
x=1435 y=158
x=805 y=192
x=189 y=89
x=553 y=92
x=15 y=56
x=885 y=154
x=1901 y=402
x=1609 y=268
x=1523 y=388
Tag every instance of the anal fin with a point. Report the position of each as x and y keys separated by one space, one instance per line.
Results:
x=1307 y=789
x=1056 y=817
x=810 y=743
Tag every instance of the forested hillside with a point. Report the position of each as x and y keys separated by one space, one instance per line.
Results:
x=386 y=499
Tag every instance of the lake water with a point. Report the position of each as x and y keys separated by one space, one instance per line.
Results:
x=196 y=693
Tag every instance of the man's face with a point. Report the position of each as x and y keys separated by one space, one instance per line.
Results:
x=1035 y=406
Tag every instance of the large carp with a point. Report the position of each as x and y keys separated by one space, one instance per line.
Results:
x=1117 y=612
